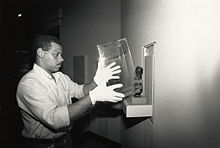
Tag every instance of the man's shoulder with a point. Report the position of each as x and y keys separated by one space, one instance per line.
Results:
x=61 y=75
x=31 y=75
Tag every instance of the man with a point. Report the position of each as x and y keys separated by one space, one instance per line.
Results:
x=44 y=96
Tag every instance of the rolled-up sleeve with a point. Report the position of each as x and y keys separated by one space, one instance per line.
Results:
x=76 y=90
x=35 y=100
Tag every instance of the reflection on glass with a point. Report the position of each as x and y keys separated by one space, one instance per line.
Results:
x=118 y=51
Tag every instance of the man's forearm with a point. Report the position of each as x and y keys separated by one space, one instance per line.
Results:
x=79 y=108
x=88 y=87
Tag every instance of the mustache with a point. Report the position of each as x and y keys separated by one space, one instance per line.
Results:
x=60 y=64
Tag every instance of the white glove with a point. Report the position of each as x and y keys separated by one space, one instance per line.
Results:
x=104 y=74
x=106 y=93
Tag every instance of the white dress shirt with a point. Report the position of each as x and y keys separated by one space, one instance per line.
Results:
x=43 y=102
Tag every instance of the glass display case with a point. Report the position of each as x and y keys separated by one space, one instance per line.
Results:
x=118 y=51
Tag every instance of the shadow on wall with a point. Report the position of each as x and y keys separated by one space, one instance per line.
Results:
x=130 y=122
x=107 y=109
x=206 y=125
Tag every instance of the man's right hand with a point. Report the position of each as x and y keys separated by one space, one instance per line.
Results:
x=104 y=74
x=106 y=93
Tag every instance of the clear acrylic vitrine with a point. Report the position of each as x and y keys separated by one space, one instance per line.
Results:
x=118 y=51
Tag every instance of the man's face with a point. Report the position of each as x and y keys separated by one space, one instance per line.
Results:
x=52 y=59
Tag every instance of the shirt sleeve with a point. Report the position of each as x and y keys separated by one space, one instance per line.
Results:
x=75 y=89
x=33 y=99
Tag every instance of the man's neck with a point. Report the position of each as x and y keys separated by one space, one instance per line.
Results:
x=41 y=66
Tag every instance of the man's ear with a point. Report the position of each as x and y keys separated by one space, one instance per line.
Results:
x=40 y=52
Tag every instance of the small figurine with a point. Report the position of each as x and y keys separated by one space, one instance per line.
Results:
x=138 y=84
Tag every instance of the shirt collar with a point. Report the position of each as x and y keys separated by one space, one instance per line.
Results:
x=44 y=73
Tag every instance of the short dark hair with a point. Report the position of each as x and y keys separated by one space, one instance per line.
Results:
x=44 y=42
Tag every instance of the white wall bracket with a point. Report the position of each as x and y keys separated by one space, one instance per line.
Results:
x=137 y=107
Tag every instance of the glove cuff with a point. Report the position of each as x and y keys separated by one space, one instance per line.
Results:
x=92 y=97
x=95 y=80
